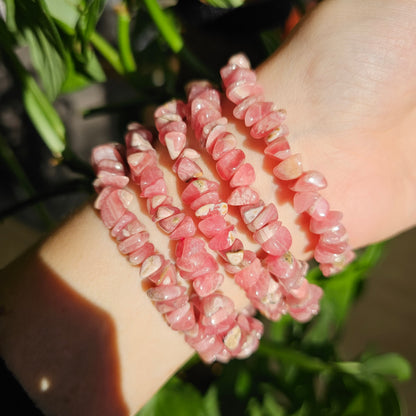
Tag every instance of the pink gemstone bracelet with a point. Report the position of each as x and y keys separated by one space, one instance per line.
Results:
x=186 y=291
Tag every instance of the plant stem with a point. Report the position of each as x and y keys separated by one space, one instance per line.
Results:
x=124 y=44
x=108 y=52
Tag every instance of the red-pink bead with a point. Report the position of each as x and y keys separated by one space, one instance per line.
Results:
x=171 y=305
x=197 y=188
x=249 y=275
x=187 y=169
x=302 y=201
x=150 y=175
x=110 y=179
x=309 y=181
x=240 y=110
x=289 y=168
x=166 y=276
x=140 y=161
x=266 y=125
x=175 y=143
x=215 y=309
x=165 y=292
x=207 y=284
x=131 y=244
x=237 y=92
x=212 y=225
x=211 y=197
x=229 y=163
x=140 y=255
x=223 y=145
x=185 y=229
x=114 y=207
x=279 y=243
x=156 y=188
x=244 y=175
x=257 y=111
x=250 y=212
x=278 y=149
x=169 y=224
x=212 y=209
x=243 y=195
x=126 y=226
x=181 y=319
x=331 y=221
x=223 y=240
x=319 y=209
x=238 y=75
x=267 y=215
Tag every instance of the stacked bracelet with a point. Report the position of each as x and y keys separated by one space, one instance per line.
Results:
x=187 y=291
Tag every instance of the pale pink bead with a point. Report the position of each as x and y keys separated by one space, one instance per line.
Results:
x=109 y=151
x=308 y=308
x=198 y=264
x=212 y=130
x=154 y=202
x=111 y=166
x=138 y=140
x=333 y=268
x=157 y=188
x=278 y=149
x=102 y=195
x=165 y=292
x=249 y=346
x=249 y=275
x=171 y=305
x=202 y=118
x=185 y=229
x=325 y=256
x=250 y=212
x=289 y=271
x=309 y=181
x=212 y=209
x=141 y=254
x=150 y=175
x=166 y=276
x=238 y=75
x=223 y=145
x=126 y=226
x=215 y=133
x=319 y=209
x=240 y=110
x=196 y=188
x=189 y=246
x=302 y=201
x=175 y=143
x=152 y=265
x=169 y=224
x=165 y=211
x=211 y=197
x=279 y=243
x=335 y=236
x=267 y=232
x=278 y=133
x=194 y=88
x=229 y=163
x=257 y=111
x=187 y=169
x=171 y=107
x=240 y=60
x=173 y=126
x=140 y=161
x=237 y=92
x=266 y=125
x=212 y=96
x=198 y=104
x=267 y=215
x=215 y=308
x=223 y=240
x=260 y=287
x=114 y=207
x=181 y=319
x=207 y=284
x=212 y=225
x=330 y=222
x=243 y=195
x=131 y=244
x=337 y=248
x=232 y=338
x=289 y=168
x=244 y=175
x=162 y=121
x=110 y=179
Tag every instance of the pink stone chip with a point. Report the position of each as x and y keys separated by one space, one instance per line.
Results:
x=207 y=284
x=266 y=125
x=266 y=216
x=309 y=181
x=212 y=225
x=175 y=143
x=197 y=188
x=157 y=188
x=134 y=242
x=290 y=168
x=243 y=195
x=169 y=224
x=181 y=319
x=223 y=240
x=215 y=309
x=329 y=223
x=141 y=254
x=187 y=169
x=302 y=201
x=237 y=92
x=165 y=292
x=229 y=163
x=114 y=207
x=257 y=111
x=319 y=209
x=244 y=175
x=240 y=110
x=211 y=197
x=278 y=149
x=185 y=229
x=223 y=145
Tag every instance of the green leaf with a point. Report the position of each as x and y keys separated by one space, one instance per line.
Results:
x=225 y=4
x=271 y=407
x=64 y=11
x=90 y=13
x=391 y=365
x=176 y=398
x=210 y=402
x=37 y=29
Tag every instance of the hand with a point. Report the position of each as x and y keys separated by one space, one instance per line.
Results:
x=347 y=78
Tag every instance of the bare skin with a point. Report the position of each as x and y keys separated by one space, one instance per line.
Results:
x=76 y=326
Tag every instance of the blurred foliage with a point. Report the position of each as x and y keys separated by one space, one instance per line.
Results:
x=298 y=370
